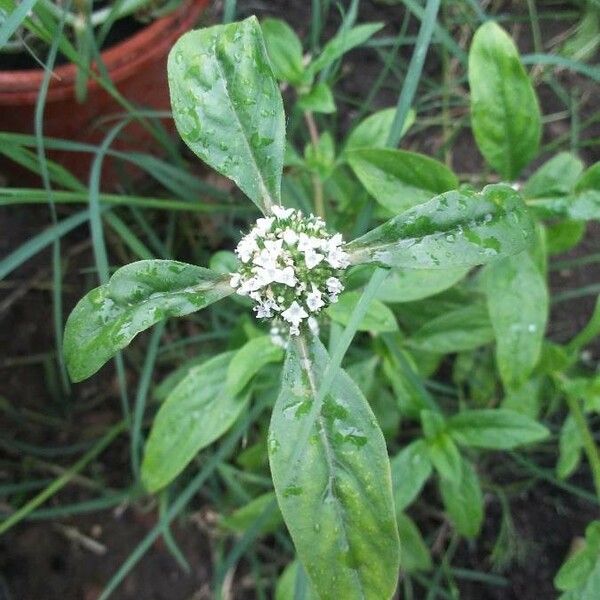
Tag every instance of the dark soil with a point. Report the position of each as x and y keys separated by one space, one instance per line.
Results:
x=50 y=560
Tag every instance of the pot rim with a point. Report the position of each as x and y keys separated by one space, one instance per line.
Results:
x=122 y=60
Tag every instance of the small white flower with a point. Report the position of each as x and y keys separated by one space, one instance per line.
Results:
x=314 y=300
x=294 y=314
x=235 y=280
x=263 y=311
x=246 y=248
x=334 y=285
x=273 y=247
x=290 y=237
x=306 y=242
x=282 y=213
x=287 y=276
x=263 y=225
x=312 y=258
x=249 y=285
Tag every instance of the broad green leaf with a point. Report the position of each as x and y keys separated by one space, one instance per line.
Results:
x=136 y=297
x=379 y=317
x=563 y=235
x=555 y=177
x=399 y=179
x=319 y=99
x=505 y=114
x=456 y=331
x=284 y=49
x=518 y=304
x=293 y=584
x=464 y=501
x=249 y=360
x=570 y=446
x=581 y=570
x=373 y=131
x=341 y=43
x=455 y=229
x=524 y=399
x=589 y=180
x=411 y=468
x=332 y=478
x=408 y=285
x=442 y=450
x=415 y=554
x=196 y=413
x=228 y=108
x=495 y=429
x=245 y=516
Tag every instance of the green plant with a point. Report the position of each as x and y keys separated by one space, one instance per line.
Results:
x=326 y=449
x=455 y=361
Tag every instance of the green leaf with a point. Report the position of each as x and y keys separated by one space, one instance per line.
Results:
x=495 y=429
x=464 y=501
x=249 y=360
x=589 y=180
x=321 y=157
x=344 y=41
x=564 y=235
x=408 y=285
x=442 y=450
x=138 y=295
x=284 y=49
x=398 y=179
x=456 y=331
x=332 y=478
x=373 y=131
x=580 y=567
x=319 y=99
x=505 y=114
x=415 y=554
x=555 y=177
x=518 y=305
x=245 y=516
x=411 y=468
x=570 y=446
x=228 y=108
x=287 y=585
x=196 y=413
x=455 y=229
x=379 y=317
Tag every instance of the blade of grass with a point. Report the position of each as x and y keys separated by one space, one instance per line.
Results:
x=15 y=19
x=141 y=396
x=57 y=307
x=39 y=242
x=61 y=481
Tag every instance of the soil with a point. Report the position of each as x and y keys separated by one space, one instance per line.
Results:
x=73 y=558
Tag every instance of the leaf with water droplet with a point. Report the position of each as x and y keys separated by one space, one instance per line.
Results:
x=138 y=295
x=332 y=478
x=517 y=298
x=228 y=108
x=455 y=229
x=197 y=412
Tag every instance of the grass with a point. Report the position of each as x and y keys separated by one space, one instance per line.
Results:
x=175 y=212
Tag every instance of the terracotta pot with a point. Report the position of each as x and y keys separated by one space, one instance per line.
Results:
x=138 y=69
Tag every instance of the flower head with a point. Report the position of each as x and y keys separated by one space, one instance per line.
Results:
x=290 y=266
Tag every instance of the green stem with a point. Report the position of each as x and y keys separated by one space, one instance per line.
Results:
x=589 y=446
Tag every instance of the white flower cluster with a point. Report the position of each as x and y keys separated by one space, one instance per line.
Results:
x=290 y=267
